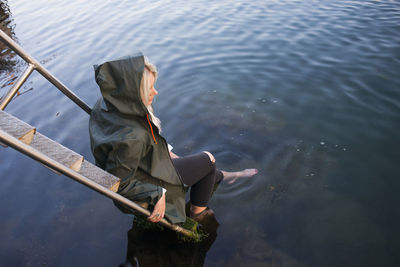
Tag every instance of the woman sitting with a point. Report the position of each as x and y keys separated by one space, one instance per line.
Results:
x=126 y=142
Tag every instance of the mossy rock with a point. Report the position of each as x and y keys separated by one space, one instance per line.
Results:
x=189 y=224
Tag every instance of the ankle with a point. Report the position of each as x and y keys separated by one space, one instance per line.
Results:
x=195 y=210
x=203 y=215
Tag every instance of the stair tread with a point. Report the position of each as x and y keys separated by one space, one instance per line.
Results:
x=98 y=175
x=15 y=127
x=56 y=151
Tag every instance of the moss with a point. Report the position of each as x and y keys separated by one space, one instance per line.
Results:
x=197 y=234
x=193 y=226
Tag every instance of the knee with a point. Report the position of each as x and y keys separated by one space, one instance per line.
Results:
x=212 y=159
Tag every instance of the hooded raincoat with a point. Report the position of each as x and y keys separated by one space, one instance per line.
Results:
x=127 y=144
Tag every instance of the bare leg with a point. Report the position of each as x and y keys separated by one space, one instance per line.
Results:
x=231 y=177
x=196 y=209
x=200 y=213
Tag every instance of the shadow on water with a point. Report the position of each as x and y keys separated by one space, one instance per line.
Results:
x=153 y=246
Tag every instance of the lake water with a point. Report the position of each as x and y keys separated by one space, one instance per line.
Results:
x=305 y=91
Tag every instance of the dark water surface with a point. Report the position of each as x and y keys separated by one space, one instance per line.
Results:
x=305 y=91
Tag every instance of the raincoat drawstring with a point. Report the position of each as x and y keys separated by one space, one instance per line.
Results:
x=151 y=128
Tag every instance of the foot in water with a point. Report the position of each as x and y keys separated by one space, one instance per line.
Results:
x=231 y=177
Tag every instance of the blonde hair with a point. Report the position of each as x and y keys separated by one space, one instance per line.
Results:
x=145 y=89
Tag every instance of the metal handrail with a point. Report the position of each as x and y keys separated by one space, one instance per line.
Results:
x=35 y=65
x=10 y=94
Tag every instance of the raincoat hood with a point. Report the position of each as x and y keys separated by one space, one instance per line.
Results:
x=119 y=82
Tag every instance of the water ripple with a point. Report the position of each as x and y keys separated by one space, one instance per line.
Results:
x=305 y=91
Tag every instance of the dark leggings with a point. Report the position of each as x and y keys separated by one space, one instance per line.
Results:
x=200 y=173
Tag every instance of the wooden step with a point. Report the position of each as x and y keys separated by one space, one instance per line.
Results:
x=99 y=176
x=16 y=127
x=27 y=134
x=57 y=152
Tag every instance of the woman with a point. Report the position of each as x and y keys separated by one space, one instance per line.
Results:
x=126 y=141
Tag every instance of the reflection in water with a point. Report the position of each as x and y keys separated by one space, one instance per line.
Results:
x=7 y=60
x=157 y=247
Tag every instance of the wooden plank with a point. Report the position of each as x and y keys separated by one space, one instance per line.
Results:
x=57 y=151
x=27 y=134
x=17 y=128
x=99 y=176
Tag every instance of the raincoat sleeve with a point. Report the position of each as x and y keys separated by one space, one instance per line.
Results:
x=123 y=161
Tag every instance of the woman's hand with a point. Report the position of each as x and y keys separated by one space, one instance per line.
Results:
x=159 y=210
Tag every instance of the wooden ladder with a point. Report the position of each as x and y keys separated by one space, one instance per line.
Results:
x=28 y=135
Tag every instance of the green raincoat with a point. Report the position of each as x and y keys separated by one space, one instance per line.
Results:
x=127 y=144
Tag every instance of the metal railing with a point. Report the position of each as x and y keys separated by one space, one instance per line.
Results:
x=35 y=65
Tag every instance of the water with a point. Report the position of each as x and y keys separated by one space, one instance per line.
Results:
x=305 y=91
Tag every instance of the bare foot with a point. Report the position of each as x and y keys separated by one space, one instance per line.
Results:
x=231 y=177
